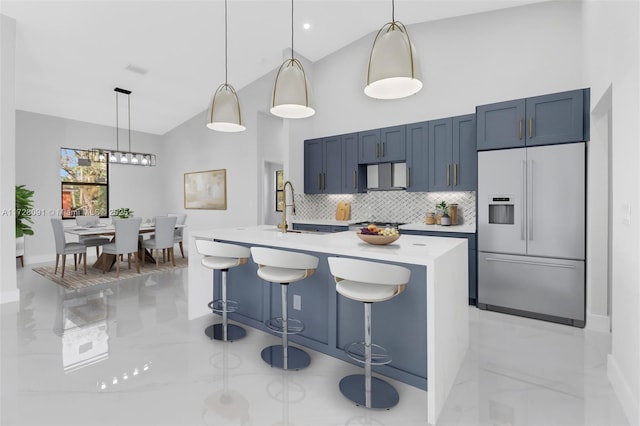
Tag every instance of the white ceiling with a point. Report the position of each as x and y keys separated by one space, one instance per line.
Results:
x=70 y=55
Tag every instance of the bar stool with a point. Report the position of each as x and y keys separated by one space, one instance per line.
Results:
x=222 y=256
x=284 y=267
x=368 y=282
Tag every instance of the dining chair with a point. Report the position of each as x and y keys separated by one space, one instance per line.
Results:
x=91 y=240
x=163 y=238
x=126 y=241
x=63 y=248
x=177 y=234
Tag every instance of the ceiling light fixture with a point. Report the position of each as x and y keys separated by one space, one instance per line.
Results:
x=290 y=97
x=392 y=64
x=102 y=155
x=224 y=113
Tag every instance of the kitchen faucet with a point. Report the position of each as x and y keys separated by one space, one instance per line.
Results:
x=283 y=225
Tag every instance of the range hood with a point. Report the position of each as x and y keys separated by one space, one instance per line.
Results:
x=387 y=177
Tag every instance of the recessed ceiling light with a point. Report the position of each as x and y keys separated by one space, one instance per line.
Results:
x=306 y=26
x=136 y=69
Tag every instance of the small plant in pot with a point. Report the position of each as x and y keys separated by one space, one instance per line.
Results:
x=124 y=213
x=441 y=211
x=23 y=213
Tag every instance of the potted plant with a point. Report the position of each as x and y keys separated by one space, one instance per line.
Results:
x=23 y=213
x=124 y=213
x=441 y=210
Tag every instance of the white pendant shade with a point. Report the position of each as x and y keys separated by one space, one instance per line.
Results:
x=291 y=92
x=392 y=64
x=224 y=113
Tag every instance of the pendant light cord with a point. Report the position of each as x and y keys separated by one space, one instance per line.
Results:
x=393 y=11
x=117 y=131
x=292 y=29
x=129 y=112
x=225 y=43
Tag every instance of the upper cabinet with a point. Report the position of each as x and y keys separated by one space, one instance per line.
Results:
x=354 y=177
x=418 y=157
x=452 y=154
x=323 y=165
x=387 y=145
x=541 y=120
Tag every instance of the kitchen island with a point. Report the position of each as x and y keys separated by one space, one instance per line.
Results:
x=425 y=328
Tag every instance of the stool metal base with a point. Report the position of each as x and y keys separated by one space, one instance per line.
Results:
x=216 y=331
x=383 y=395
x=296 y=359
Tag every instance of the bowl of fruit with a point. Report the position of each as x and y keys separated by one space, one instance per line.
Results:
x=372 y=234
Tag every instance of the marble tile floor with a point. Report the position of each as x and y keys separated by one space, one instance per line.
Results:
x=125 y=354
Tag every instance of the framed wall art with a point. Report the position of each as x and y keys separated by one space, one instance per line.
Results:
x=206 y=190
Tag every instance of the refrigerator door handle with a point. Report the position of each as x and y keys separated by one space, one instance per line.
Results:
x=522 y=262
x=524 y=191
x=530 y=201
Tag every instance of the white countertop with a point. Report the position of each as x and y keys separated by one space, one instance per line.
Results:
x=467 y=229
x=411 y=249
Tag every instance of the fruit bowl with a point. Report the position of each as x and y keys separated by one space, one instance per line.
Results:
x=377 y=239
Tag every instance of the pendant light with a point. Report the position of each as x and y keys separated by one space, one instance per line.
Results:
x=224 y=113
x=103 y=155
x=290 y=97
x=392 y=64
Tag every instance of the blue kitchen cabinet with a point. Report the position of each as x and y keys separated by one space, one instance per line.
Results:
x=418 y=157
x=386 y=145
x=313 y=149
x=464 y=172
x=541 y=120
x=440 y=154
x=354 y=178
x=323 y=165
x=473 y=259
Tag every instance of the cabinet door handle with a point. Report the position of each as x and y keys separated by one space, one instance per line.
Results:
x=355 y=179
x=448 y=179
x=377 y=150
x=455 y=174
x=530 y=201
x=522 y=203
x=324 y=181
x=408 y=176
x=382 y=149
x=520 y=130
x=319 y=181
x=530 y=127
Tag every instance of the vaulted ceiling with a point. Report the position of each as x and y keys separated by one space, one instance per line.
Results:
x=70 y=55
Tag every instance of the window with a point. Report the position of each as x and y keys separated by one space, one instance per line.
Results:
x=280 y=190
x=84 y=184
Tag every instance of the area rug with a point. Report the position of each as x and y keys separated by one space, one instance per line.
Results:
x=77 y=279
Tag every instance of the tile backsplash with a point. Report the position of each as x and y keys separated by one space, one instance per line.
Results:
x=392 y=206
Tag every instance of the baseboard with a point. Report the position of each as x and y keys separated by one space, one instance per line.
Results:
x=598 y=323
x=622 y=389
x=10 y=296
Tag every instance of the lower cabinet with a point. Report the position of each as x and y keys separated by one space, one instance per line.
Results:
x=473 y=258
x=332 y=321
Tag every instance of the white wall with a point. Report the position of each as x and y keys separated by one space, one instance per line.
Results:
x=38 y=141
x=612 y=41
x=8 y=288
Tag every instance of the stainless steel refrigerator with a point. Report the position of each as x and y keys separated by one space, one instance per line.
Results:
x=531 y=232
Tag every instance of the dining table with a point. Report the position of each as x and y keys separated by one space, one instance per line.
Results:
x=106 y=261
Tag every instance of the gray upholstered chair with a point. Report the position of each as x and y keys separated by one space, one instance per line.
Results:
x=163 y=240
x=91 y=240
x=126 y=241
x=177 y=237
x=63 y=248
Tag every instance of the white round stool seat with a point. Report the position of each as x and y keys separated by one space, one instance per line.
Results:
x=223 y=256
x=365 y=292
x=281 y=275
x=214 y=262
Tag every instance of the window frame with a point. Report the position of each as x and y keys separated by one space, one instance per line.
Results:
x=67 y=183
